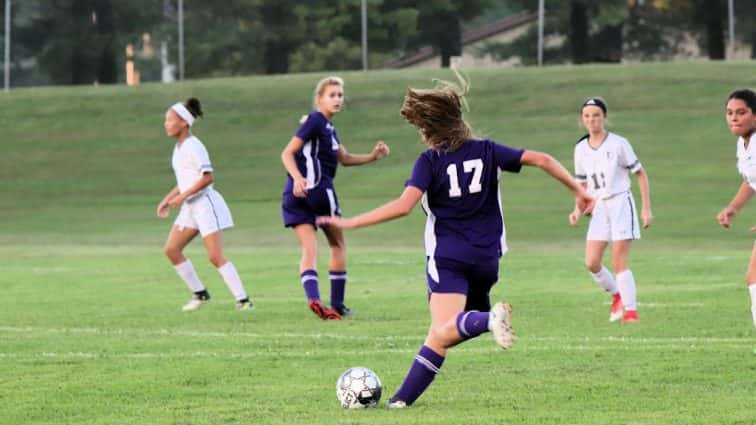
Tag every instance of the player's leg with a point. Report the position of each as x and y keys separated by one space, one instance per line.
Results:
x=307 y=237
x=337 y=269
x=625 y=229
x=214 y=246
x=751 y=280
x=625 y=279
x=178 y=238
x=444 y=309
x=599 y=235
x=594 y=254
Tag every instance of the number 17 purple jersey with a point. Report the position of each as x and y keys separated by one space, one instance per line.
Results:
x=462 y=199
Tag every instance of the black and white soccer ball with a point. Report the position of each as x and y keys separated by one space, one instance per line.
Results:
x=358 y=388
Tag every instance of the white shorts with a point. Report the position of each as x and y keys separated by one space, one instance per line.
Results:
x=614 y=219
x=208 y=213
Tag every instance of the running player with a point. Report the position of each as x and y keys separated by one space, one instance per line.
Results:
x=311 y=158
x=457 y=181
x=203 y=209
x=741 y=118
x=603 y=162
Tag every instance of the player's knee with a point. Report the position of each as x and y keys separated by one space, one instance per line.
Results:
x=172 y=252
x=217 y=259
x=593 y=266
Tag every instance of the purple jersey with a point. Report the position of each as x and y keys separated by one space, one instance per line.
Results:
x=462 y=199
x=318 y=158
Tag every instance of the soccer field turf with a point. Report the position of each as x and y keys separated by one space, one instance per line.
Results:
x=94 y=334
x=91 y=330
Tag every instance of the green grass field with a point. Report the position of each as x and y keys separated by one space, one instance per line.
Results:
x=91 y=330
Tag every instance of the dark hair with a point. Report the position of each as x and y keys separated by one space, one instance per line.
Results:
x=193 y=105
x=746 y=95
x=594 y=101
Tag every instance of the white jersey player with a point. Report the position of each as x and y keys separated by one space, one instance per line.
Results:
x=741 y=118
x=202 y=208
x=603 y=163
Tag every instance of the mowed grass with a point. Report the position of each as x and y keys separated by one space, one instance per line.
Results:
x=91 y=330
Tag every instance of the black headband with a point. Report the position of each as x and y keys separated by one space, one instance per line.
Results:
x=594 y=101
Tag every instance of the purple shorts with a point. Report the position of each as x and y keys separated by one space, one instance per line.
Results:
x=474 y=279
x=320 y=200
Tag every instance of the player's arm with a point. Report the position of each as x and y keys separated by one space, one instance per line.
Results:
x=207 y=179
x=547 y=163
x=287 y=157
x=162 y=209
x=741 y=197
x=646 y=215
x=380 y=151
x=399 y=207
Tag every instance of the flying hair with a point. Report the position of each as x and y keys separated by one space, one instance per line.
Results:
x=437 y=112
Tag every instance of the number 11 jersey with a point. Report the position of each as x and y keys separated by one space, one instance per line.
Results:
x=605 y=169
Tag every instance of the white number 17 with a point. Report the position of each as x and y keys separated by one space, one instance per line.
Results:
x=473 y=165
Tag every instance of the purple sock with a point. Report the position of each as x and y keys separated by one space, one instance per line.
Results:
x=338 y=284
x=425 y=367
x=310 y=284
x=471 y=324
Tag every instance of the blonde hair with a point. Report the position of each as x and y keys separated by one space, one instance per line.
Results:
x=321 y=86
x=437 y=113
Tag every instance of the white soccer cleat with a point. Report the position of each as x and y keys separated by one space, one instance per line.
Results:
x=397 y=404
x=194 y=304
x=500 y=324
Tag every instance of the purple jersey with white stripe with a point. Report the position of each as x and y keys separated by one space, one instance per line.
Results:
x=462 y=198
x=319 y=157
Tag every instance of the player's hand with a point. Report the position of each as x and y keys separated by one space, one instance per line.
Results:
x=334 y=220
x=380 y=151
x=574 y=218
x=726 y=215
x=176 y=201
x=584 y=202
x=300 y=187
x=647 y=217
x=163 y=209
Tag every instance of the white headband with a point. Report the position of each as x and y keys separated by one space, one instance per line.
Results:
x=184 y=113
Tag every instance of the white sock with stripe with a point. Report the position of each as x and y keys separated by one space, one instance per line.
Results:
x=233 y=281
x=186 y=271
x=605 y=280
x=626 y=285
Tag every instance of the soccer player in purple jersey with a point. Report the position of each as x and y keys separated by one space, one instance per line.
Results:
x=457 y=179
x=311 y=158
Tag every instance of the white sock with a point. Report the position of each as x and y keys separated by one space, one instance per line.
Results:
x=605 y=280
x=626 y=285
x=752 y=290
x=233 y=281
x=187 y=273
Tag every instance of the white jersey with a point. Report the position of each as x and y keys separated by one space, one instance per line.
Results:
x=605 y=169
x=747 y=160
x=190 y=161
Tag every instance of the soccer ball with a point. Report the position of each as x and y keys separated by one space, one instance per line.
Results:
x=358 y=388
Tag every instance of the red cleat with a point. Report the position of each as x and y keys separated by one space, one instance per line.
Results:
x=616 y=312
x=631 y=316
x=322 y=311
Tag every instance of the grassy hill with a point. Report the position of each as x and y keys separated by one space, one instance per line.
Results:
x=91 y=330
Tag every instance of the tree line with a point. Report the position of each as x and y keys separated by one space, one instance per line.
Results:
x=83 y=41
